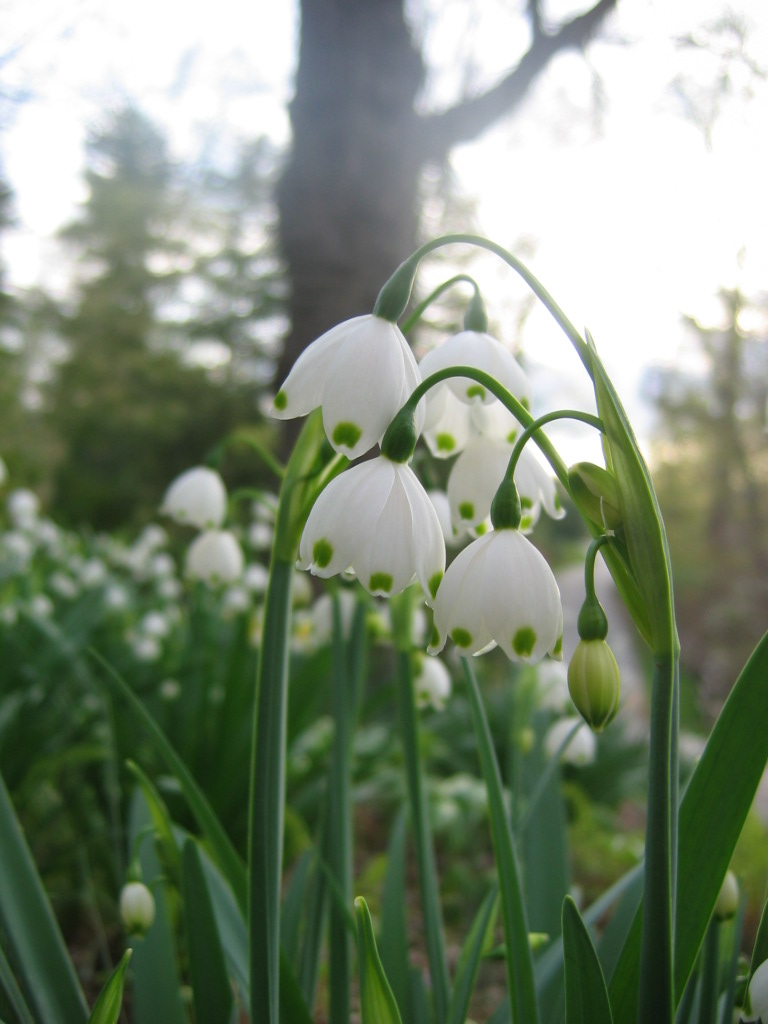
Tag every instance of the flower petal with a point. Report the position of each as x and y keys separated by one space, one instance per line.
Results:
x=302 y=390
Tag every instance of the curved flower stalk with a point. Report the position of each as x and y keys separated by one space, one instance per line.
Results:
x=377 y=521
x=360 y=373
x=458 y=409
x=476 y=477
x=500 y=591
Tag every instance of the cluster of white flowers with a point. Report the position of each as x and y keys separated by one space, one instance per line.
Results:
x=199 y=498
x=377 y=522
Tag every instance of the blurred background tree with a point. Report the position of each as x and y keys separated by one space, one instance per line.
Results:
x=712 y=478
x=349 y=193
x=162 y=345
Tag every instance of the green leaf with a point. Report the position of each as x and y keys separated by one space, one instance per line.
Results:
x=220 y=844
x=110 y=1001
x=378 y=1004
x=156 y=989
x=518 y=950
x=586 y=997
x=211 y=989
x=161 y=822
x=712 y=814
x=642 y=524
x=760 y=948
x=393 y=930
x=475 y=945
x=12 y=992
x=47 y=977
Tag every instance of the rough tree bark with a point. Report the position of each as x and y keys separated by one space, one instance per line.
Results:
x=348 y=196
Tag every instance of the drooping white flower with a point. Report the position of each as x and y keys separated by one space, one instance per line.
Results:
x=215 y=557
x=477 y=473
x=443 y=508
x=475 y=348
x=196 y=498
x=23 y=507
x=582 y=746
x=137 y=908
x=376 y=520
x=758 y=992
x=500 y=590
x=361 y=373
x=431 y=683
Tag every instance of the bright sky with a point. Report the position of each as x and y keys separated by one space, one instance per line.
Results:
x=631 y=215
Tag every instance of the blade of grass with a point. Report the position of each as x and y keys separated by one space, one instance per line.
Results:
x=48 y=979
x=477 y=942
x=110 y=1002
x=518 y=950
x=586 y=997
x=220 y=844
x=211 y=989
x=377 y=1002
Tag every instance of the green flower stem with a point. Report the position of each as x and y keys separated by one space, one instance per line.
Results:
x=549 y=417
x=656 y=996
x=418 y=312
x=267 y=798
x=522 y=989
x=396 y=292
x=305 y=474
x=425 y=856
x=244 y=438
x=709 y=974
x=507 y=399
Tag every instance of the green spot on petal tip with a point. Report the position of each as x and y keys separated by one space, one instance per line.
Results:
x=381 y=581
x=461 y=637
x=322 y=553
x=281 y=400
x=524 y=641
x=434 y=583
x=466 y=510
x=445 y=442
x=346 y=435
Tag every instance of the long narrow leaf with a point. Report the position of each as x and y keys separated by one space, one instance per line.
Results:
x=377 y=1001
x=477 y=941
x=220 y=844
x=393 y=931
x=110 y=1002
x=518 y=950
x=10 y=988
x=712 y=814
x=586 y=997
x=48 y=979
x=211 y=990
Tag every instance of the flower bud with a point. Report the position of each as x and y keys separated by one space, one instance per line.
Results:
x=593 y=682
x=137 y=908
x=728 y=899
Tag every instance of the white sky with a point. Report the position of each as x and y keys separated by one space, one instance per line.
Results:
x=632 y=221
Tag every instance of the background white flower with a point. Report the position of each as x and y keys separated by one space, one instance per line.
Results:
x=215 y=557
x=196 y=498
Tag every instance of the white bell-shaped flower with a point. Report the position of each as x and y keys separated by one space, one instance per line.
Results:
x=582 y=746
x=137 y=908
x=361 y=373
x=758 y=992
x=477 y=473
x=500 y=590
x=376 y=520
x=215 y=557
x=475 y=348
x=23 y=508
x=197 y=498
x=431 y=683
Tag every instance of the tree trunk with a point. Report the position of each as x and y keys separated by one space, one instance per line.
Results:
x=348 y=195
x=348 y=198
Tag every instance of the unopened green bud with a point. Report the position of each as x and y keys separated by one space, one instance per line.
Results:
x=596 y=494
x=728 y=899
x=594 y=684
x=137 y=908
